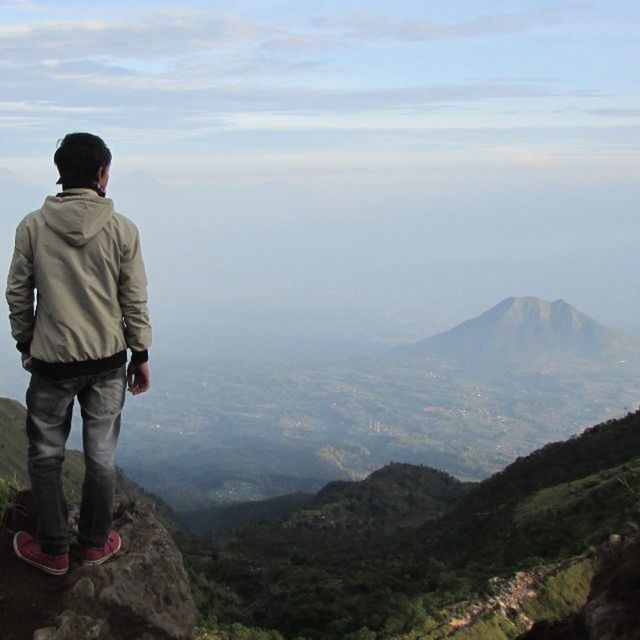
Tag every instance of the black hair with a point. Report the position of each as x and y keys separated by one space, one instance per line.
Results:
x=78 y=157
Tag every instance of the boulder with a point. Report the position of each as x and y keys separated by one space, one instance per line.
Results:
x=142 y=593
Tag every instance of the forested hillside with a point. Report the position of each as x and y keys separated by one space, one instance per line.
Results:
x=530 y=536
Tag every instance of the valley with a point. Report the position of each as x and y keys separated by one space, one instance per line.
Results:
x=257 y=431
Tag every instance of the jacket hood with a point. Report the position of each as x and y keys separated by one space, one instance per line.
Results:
x=78 y=215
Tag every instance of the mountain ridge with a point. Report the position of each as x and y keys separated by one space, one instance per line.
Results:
x=394 y=497
x=346 y=418
x=521 y=547
x=528 y=327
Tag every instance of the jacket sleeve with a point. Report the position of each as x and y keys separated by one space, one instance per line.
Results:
x=132 y=296
x=20 y=290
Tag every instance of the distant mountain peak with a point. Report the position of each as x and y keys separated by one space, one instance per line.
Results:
x=526 y=310
x=527 y=327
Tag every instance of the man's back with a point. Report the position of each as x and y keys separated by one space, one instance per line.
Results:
x=88 y=271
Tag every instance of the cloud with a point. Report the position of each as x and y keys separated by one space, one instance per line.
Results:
x=366 y=26
x=24 y=5
x=617 y=113
x=177 y=34
x=165 y=34
x=48 y=107
x=302 y=42
x=530 y=158
x=234 y=89
x=148 y=107
x=185 y=74
x=168 y=50
x=14 y=121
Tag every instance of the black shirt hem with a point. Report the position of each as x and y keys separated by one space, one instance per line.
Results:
x=57 y=370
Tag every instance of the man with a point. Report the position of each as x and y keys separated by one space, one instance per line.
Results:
x=84 y=261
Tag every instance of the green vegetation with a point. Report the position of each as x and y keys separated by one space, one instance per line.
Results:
x=562 y=593
x=14 y=445
x=13 y=465
x=211 y=630
x=8 y=488
x=545 y=509
x=394 y=497
x=589 y=508
x=544 y=516
x=490 y=625
x=236 y=515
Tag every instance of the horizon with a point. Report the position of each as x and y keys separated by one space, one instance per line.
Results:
x=355 y=176
x=491 y=148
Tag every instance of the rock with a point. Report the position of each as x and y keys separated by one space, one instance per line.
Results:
x=570 y=628
x=142 y=593
x=612 y=611
x=84 y=588
x=47 y=633
x=606 y=620
x=74 y=626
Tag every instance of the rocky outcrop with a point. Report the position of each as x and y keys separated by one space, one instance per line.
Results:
x=510 y=605
x=140 y=594
x=612 y=611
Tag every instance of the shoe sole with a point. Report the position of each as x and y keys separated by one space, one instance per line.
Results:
x=104 y=558
x=53 y=572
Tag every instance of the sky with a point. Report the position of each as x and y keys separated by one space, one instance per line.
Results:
x=367 y=172
x=323 y=93
x=422 y=159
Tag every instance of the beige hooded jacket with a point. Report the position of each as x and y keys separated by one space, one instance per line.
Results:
x=85 y=263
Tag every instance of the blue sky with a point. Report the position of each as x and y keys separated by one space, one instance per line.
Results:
x=450 y=154
x=259 y=90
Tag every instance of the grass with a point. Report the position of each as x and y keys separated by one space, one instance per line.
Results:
x=590 y=507
x=14 y=446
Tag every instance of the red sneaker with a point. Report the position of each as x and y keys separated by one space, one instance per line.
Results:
x=27 y=548
x=93 y=555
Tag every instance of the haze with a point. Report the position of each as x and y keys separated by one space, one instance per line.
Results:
x=318 y=180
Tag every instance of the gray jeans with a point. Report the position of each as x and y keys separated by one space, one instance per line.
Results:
x=49 y=410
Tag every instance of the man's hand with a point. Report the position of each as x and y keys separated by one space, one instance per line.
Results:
x=138 y=378
x=26 y=361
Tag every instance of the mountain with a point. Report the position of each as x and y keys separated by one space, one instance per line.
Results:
x=520 y=547
x=237 y=515
x=398 y=496
x=394 y=497
x=259 y=431
x=528 y=327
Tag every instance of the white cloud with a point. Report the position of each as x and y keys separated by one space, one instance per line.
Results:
x=367 y=26
x=24 y=5
x=161 y=35
x=199 y=77
x=48 y=107
x=617 y=112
